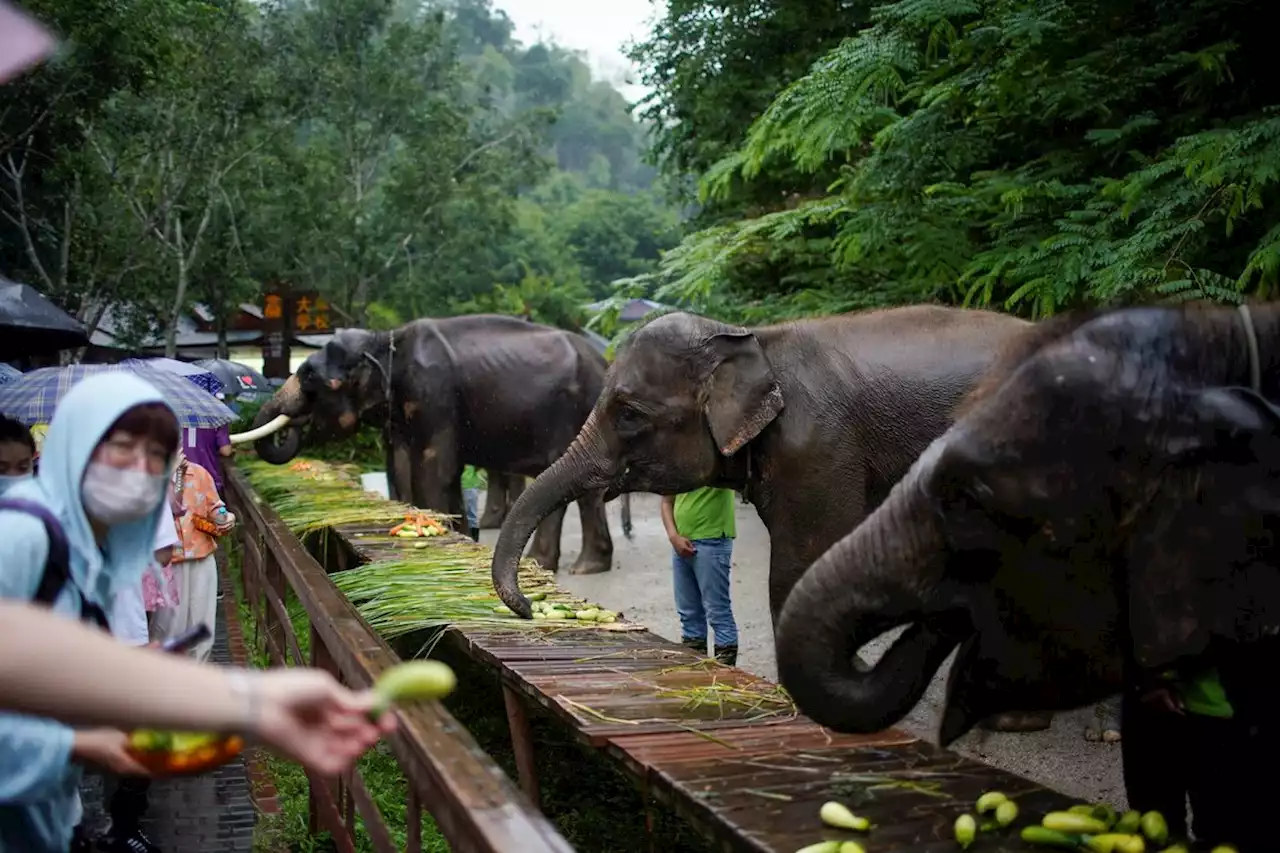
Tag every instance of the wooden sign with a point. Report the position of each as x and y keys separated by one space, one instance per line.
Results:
x=276 y=332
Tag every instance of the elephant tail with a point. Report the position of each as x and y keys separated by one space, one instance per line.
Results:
x=626 y=516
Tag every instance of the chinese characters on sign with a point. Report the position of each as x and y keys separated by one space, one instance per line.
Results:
x=272 y=308
x=311 y=314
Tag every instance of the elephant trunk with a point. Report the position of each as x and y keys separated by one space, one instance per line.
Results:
x=877 y=578
x=276 y=415
x=582 y=468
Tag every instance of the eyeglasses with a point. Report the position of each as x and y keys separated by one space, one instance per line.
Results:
x=125 y=451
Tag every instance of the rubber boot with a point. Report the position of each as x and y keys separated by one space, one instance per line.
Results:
x=727 y=655
x=475 y=534
x=698 y=644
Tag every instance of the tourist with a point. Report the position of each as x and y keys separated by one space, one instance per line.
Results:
x=205 y=518
x=701 y=527
x=17 y=454
x=85 y=533
x=79 y=676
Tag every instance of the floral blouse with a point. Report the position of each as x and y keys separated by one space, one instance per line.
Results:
x=200 y=497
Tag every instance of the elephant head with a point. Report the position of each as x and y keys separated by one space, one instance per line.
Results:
x=331 y=391
x=683 y=394
x=1098 y=517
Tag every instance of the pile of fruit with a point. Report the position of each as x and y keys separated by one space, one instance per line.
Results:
x=543 y=609
x=1087 y=827
x=417 y=525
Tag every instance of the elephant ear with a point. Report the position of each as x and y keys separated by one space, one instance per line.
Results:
x=742 y=393
x=1205 y=565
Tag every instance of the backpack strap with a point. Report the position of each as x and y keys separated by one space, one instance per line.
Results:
x=57 y=565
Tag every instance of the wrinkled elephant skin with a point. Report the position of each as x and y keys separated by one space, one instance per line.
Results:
x=813 y=420
x=1106 y=506
x=496 y=392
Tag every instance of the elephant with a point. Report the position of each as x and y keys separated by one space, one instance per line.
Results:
x=503 y=491
x=497 y=392
x=1105 y=506
x=813 y=420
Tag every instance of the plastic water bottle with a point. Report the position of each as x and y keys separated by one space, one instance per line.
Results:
x=220 y=517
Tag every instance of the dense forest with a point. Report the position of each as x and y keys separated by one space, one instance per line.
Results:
x=1030 y=156
x=793 y=157
x=402 y=158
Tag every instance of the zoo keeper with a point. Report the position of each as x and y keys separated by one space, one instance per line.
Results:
x=701 y=527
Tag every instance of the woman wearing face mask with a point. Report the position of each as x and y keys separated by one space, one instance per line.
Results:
x=17 y=453
x=93 y=509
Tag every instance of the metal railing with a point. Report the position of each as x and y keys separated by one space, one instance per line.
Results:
x=474 y=803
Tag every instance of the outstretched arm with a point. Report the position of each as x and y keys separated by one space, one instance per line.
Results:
x=85 y=677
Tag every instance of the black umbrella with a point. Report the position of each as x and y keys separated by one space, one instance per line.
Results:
x=32 y=325
x=238 y=380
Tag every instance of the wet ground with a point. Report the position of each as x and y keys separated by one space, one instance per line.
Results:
x=640 y=586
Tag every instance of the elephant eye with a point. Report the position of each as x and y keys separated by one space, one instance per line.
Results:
x=629 y=417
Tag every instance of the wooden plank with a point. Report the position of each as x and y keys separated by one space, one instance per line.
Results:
x=758 y=792
x=474 y=803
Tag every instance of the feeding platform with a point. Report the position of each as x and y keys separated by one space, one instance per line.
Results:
x=723 y=748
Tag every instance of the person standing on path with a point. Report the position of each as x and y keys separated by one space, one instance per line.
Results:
x=208 y=448
x=474 y=481
x=700 y=525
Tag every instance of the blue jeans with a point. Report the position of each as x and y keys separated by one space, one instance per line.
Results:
x=471 y=499
x=702 y=591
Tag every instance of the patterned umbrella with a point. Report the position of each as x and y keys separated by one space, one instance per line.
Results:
x=199 y=375
x=33 y=397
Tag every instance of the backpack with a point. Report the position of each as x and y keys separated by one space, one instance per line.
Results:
x=57 y=566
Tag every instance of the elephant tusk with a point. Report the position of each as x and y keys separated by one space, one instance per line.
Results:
x=276 y=424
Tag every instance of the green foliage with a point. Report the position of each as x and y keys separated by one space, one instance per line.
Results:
x=403 y=159
x=1033 y=156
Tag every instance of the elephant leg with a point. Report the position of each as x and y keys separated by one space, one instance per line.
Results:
x=546 y=541
x=515 y=488
x=495 y=502
x=597 y=545
x=437 y=473
x=1019 y=721
x=1106 y=723
x=399 y=468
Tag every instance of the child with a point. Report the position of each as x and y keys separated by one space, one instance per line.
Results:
x=194 y=567
x=17 y=454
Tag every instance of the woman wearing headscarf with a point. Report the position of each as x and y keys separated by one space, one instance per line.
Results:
x=91 y=511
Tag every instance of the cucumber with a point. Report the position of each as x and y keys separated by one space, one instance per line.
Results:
x=1049 y=838
x=411 y=681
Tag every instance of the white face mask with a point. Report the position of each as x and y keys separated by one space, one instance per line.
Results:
x=8 y=481
x=116 y=496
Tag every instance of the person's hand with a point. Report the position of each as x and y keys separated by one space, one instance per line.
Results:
x=304 y=714
x=682 y=544
x=1164 y=699
x=106 y=748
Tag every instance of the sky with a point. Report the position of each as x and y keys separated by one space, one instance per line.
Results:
x=599 y=27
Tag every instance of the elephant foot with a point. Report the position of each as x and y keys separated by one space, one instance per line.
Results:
x=1105 y=735
x=1019 y=721
x=591 y=566
x=551 y=564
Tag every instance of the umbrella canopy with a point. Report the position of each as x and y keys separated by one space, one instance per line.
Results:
x=31 y=324
x=33 y=397
x=8 y=373
x=237 y=379
x=194 y=373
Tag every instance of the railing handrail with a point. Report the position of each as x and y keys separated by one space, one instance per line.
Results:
x=488 y=814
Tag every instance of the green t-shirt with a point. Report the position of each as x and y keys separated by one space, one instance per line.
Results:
x=1202 y=693
x=473 y=478
x=705 y=513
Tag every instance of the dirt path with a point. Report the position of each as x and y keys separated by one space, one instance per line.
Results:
x=640 y=586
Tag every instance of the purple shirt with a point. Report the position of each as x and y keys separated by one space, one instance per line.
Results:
x=201 y=447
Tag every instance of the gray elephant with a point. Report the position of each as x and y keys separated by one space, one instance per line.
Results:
x=813 y=420
x=1106 y=506
x=504 y=490
x=496 y=392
